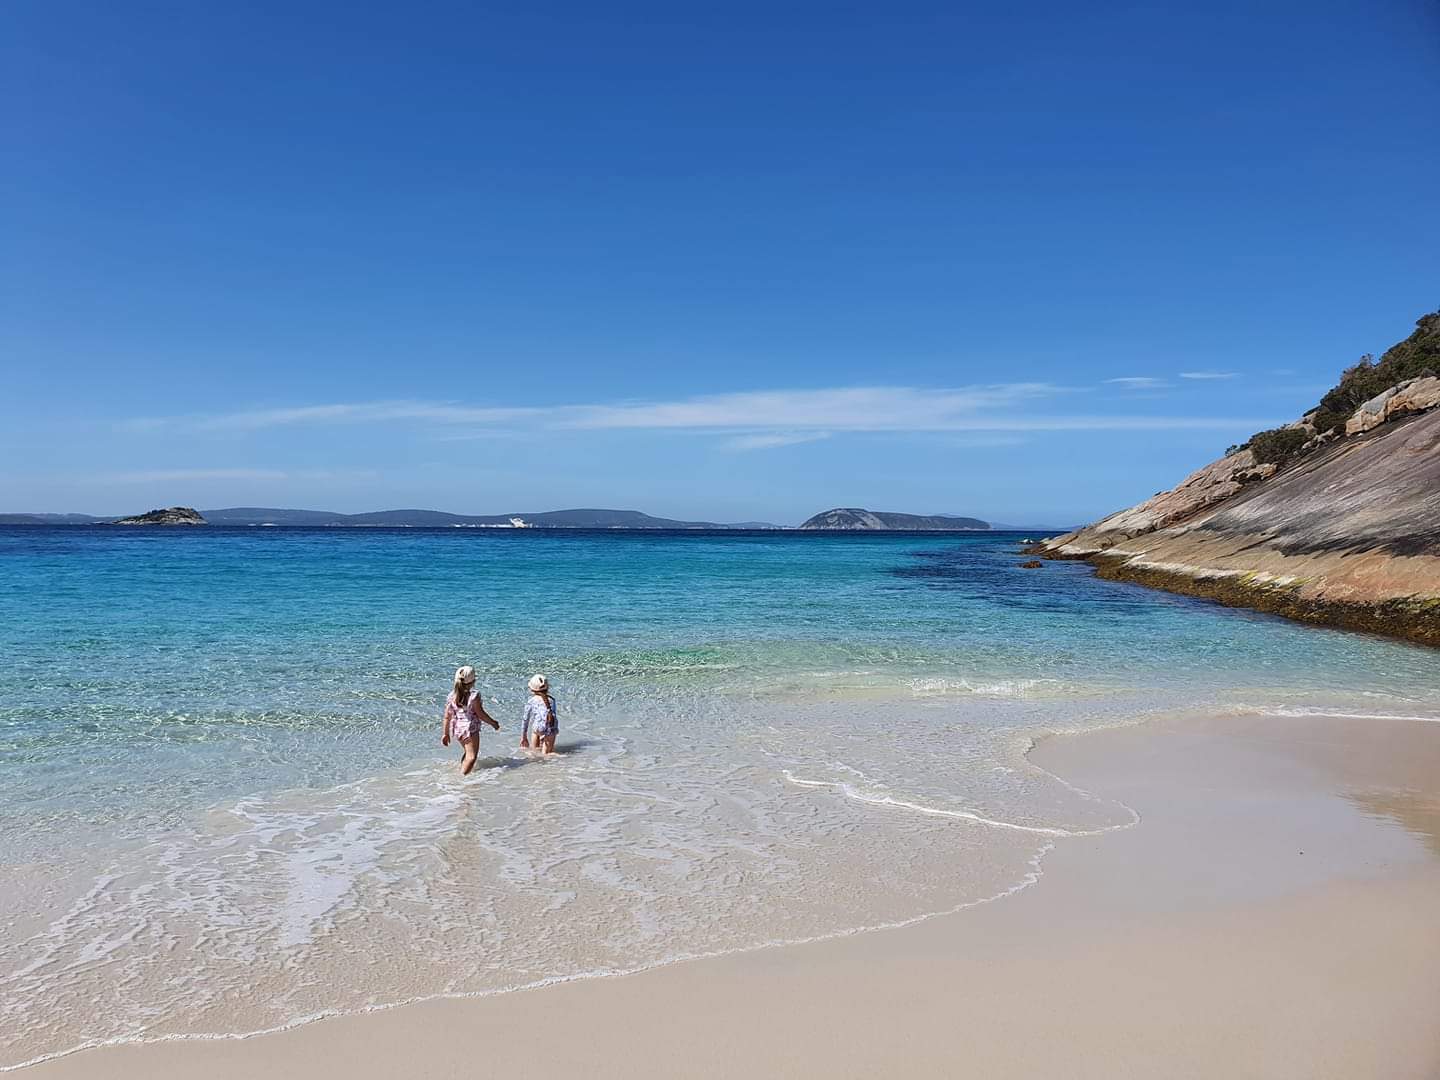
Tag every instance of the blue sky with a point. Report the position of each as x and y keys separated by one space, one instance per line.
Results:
x=740 y=261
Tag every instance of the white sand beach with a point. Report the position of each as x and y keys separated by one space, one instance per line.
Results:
x=1272 y=915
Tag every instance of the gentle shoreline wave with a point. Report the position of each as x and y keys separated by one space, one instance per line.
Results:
x=1032 y=877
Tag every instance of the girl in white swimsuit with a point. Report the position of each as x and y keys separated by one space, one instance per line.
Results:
x=542 y=719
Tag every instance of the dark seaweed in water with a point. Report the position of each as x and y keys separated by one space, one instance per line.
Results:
x=969 y=568
x=983 y=572
x=946 y=569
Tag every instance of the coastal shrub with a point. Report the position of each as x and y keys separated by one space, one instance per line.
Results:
x=1417 y=355
x=1328 y=419
x=1278 y=445
x=1357 y=385
x=1413 y=356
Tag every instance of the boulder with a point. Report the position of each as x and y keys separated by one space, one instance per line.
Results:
x=1371 y=414
x=1413 y=396
x=1402 y=399
x=1263 y=471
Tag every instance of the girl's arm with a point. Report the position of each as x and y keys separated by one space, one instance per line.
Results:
x=445 y=725
x=485 y=715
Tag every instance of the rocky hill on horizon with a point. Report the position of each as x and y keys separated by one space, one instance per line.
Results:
x=173 y=515
x=854 y=519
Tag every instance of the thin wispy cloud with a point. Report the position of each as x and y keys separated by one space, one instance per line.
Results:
x=864 y=408
x=487 y=434
x=773 y=440
x=174 y=476
x=170 y=476
x=983 y=440
x=753 y=419
x=365 y=412
x=1138 y=382
x=1207 y=375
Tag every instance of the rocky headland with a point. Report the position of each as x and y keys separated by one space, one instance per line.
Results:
x=1333 y=519
x=174 y=515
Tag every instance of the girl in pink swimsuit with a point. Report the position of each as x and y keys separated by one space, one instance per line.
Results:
x=463 y=716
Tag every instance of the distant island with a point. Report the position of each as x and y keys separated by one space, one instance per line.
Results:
x=393 y=519
x=587 y=518
x=174 y=515
x=853 y=519
x=840 y=519
x=1334 y=518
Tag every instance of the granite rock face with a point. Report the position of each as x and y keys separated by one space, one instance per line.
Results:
x=1348 y=536
x=174 y=515
x=1203 y=488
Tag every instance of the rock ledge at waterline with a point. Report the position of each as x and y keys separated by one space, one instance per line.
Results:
x=1349 y=536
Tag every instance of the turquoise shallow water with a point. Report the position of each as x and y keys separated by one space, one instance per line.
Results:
x=220 y=773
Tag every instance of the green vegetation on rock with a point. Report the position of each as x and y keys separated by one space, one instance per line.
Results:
x=1417 y=355
x=1278 y=445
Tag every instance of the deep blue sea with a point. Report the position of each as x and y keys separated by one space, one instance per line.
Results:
x=224 y=807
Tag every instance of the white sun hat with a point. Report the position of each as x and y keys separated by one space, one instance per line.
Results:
x=465 y=675
x=538 y=683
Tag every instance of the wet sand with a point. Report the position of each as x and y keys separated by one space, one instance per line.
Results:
x=1273 y=914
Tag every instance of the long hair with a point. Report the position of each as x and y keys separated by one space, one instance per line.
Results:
x=462 y=693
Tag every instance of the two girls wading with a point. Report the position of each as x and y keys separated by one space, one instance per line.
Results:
x=464 y=714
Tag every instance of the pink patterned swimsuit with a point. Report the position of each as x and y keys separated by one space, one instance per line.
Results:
x=464 y=722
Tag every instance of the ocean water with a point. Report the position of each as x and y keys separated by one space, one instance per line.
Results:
x=224 y=807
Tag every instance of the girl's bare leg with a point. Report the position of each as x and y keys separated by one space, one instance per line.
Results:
x=549 y=744
x=467 y=762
